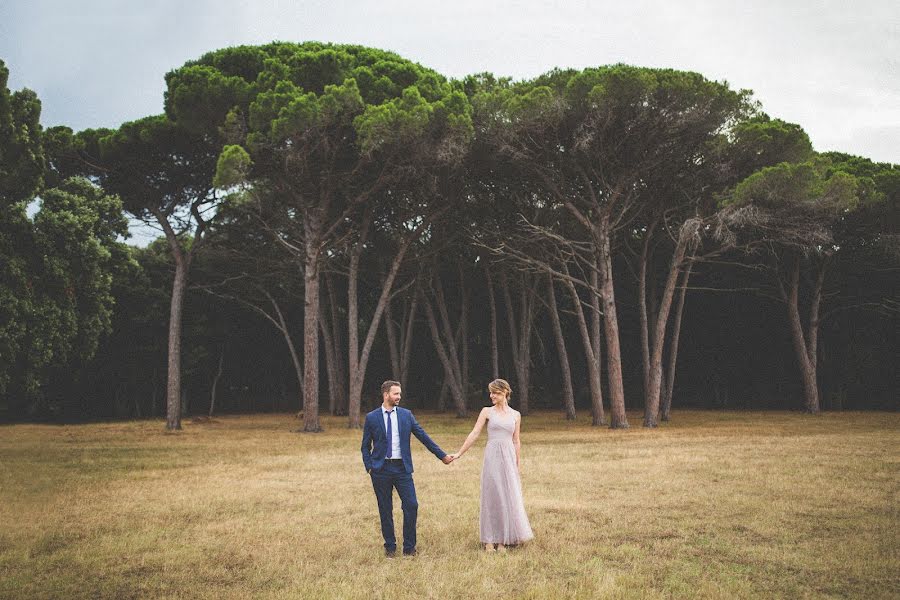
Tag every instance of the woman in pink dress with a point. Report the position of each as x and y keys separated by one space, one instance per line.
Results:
x=503 y=519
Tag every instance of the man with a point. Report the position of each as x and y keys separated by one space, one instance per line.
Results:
x=386 y=455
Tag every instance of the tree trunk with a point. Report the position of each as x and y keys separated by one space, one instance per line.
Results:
x=355 y=382
x=805 y=357
x=566 y=373
x=359 y=358
x=176 y=309
x=185 y=400
x=673 y=345
x=520 y=336
x=593 y=364
x=442 y=395
x=400 y=342
x=311 y=336
x=359 y=366
x=182 y=261
x=390 y=330
x=330 y=360
x=462 y=336
x=406 y=334
x=460 y=346
x=340 y=372
x=618 y=418
x=495 y=353
x=812 y=348
x=155 y=393
x=215 y=382
x=596 y=323
x=651 y=406
x=446 y=350
x=642 y=307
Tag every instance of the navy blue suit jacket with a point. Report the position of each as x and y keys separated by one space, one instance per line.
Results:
x=375 y=442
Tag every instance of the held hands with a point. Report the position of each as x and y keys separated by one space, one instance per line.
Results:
x=451 y=457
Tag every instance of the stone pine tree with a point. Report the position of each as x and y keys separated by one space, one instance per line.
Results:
x=319 y=132
x=592 y=139
x=790 y=214
x=163 y=172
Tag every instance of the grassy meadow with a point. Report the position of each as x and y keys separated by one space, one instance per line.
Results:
x=711 y=505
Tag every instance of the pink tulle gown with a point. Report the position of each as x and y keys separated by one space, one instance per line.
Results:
x=503 y=518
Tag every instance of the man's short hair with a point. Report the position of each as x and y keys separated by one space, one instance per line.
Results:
x=387 y=385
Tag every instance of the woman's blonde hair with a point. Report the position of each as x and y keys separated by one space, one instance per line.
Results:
x=500 y=385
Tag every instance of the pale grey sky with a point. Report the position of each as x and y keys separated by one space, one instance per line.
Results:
x=831 y=66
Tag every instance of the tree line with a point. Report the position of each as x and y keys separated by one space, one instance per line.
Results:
x=331 y=215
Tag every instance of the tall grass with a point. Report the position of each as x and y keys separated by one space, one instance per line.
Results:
x=712 y=505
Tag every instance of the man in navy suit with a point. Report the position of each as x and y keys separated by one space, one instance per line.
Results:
x=386 y=455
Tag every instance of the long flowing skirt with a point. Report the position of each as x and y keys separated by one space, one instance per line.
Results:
x=503 y=518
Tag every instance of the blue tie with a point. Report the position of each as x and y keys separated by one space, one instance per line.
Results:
x=390 y=440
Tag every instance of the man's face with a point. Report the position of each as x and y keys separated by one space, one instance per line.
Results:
x=392 y=396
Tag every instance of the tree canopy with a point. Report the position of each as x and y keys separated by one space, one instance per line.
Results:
x=403 y=225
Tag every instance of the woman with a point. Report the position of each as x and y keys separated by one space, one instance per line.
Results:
x=503 y=519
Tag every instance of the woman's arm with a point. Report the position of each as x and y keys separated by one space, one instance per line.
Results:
x=517 y=442
x=476 y=431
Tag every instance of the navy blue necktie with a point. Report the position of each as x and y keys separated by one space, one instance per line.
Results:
x=389 y=439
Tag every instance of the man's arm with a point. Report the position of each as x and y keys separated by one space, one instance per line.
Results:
x=427 y=441
x=367 y=446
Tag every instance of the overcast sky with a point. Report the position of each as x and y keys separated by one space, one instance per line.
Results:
x=830 y=66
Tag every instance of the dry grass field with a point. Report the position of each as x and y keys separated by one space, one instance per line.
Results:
x=712 y=505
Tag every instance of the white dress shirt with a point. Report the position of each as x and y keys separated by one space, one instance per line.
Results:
x=394 y=447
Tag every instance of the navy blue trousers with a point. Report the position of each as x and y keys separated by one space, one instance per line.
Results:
x=393 y=475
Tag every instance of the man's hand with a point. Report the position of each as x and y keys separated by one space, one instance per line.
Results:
x=447 y=459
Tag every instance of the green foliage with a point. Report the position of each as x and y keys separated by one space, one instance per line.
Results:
x=59 y=299
x=808 y=206
x=883 y=179
x=293 y=93
x=16 y=287
x=76 y=228
x=316 y=125
x=55 y=271
x=799 y=186
x=643 y=138
x=21 y=153
x=233 y=167
x=761 y=141
x=208 y=92
x=202 y=92
x=403 y=119
x=872 y=232
x=537 y=107
x=153 y=164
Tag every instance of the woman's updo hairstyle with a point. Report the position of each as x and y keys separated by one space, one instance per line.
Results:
x=500 y=385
